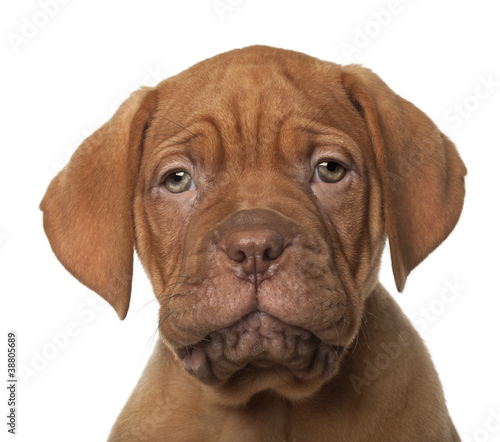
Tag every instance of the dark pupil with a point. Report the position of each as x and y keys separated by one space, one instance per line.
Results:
x=178 y=177
x=331 y=166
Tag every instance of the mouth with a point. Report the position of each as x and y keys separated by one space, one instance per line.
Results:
x=256 y=343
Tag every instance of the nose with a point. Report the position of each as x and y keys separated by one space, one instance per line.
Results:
x=253 y=251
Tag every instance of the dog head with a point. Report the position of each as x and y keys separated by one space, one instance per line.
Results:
x=258 y=188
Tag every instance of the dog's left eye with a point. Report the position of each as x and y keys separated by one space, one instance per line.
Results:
x=178 y=182
x=329 y=172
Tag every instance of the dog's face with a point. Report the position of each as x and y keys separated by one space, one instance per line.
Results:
x=254 y=242
x=259 y=187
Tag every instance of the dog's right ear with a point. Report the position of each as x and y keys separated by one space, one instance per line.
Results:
x=87 y=209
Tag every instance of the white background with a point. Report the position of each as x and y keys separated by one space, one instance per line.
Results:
x=64 y=73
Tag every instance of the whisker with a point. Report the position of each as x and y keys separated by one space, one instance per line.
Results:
x=319 y=115
x=156 y=298
x=163 y=318
x=149 y=343
x=159 y=325
x=180 y=324
x=177 y=124
x=257 y=372
x=277 y=374
x=313 y=118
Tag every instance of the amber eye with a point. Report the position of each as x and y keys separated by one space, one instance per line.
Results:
x=330 y=172
x=178 y=182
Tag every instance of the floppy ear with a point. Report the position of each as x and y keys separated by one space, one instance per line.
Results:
x=87 y=209
x=421 y=173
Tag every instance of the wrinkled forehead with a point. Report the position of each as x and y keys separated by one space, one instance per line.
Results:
x=251 y=112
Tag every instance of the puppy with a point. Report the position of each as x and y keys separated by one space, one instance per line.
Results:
x=259 y=188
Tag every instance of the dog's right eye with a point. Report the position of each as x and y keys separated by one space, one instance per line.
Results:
x=177 y=182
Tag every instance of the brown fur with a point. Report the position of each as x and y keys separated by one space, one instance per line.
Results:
x=286 y=340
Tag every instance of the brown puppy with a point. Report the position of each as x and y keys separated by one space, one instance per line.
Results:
x=259 y=187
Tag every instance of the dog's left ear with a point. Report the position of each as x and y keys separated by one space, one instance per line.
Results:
x=421 y=173
x=87 y=209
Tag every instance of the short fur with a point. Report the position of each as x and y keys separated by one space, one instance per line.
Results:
x=273 y=325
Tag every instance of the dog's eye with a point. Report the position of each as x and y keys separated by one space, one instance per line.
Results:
x=329 y=172
x=178 y=182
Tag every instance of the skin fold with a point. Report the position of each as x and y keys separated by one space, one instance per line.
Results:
x=259 y=188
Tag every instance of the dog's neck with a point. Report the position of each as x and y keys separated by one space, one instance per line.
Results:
x=386 y=343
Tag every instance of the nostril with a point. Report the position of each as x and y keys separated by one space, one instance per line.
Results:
x=271 y=254
x=256 y=245
x=236 y=255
